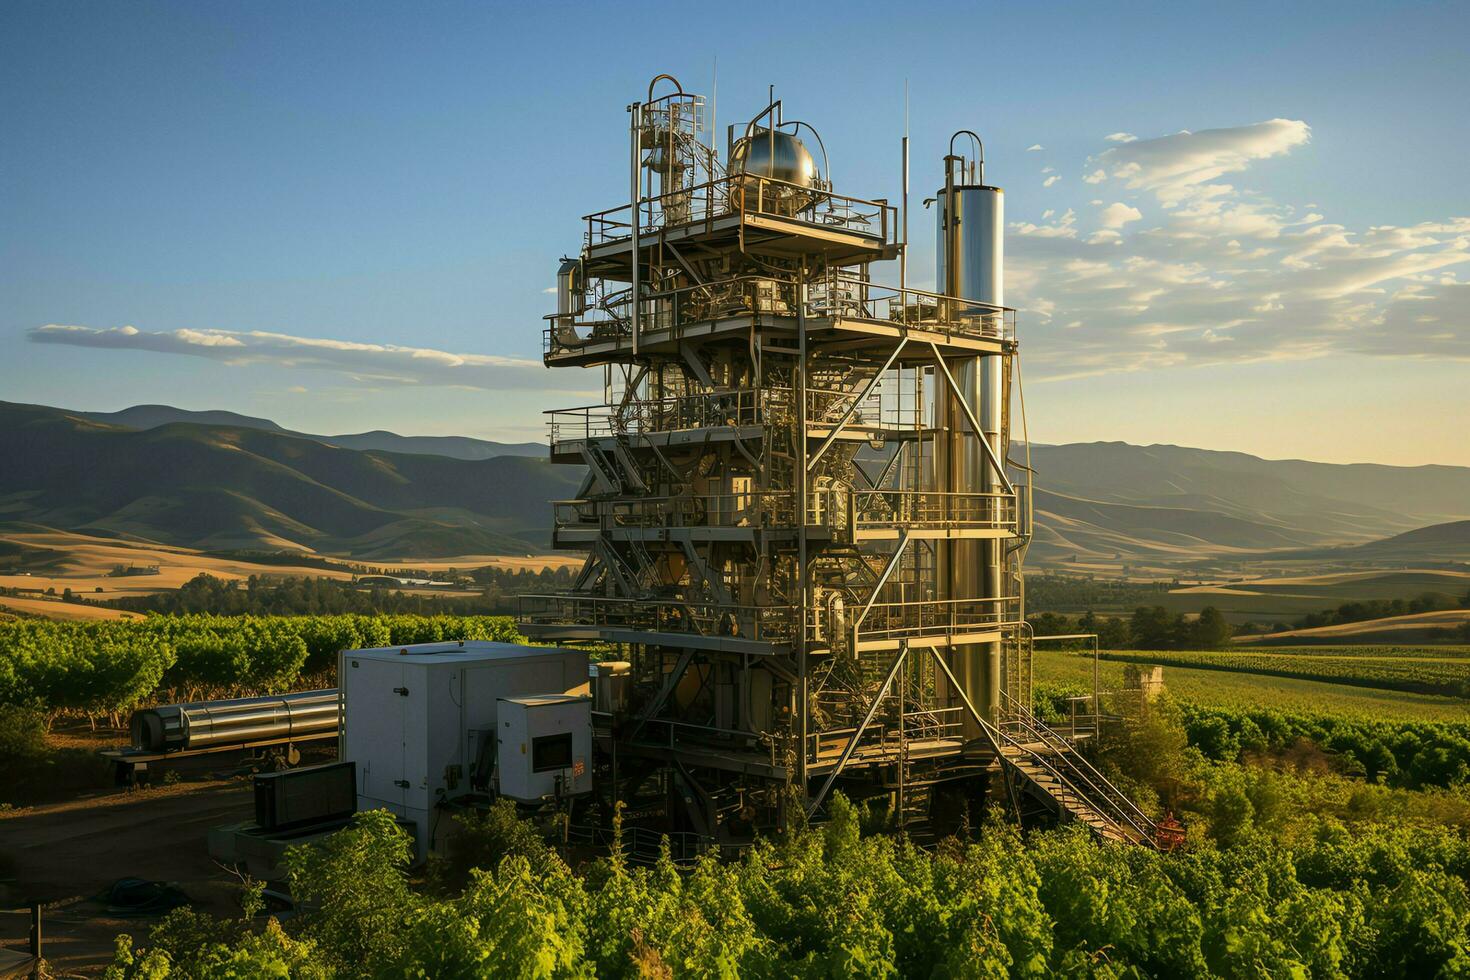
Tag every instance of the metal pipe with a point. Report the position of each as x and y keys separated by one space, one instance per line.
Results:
x=180 y=727
x=635 y=112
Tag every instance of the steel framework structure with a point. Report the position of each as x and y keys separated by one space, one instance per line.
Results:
x=770 y=513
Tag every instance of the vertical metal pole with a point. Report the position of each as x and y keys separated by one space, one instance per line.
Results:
x=903 y=256
x=903 y=745
x=801 y=556
x=635 y=112
x=1096 y=676
x=36 y=940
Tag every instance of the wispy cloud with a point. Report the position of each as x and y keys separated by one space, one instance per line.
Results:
x=1174 y=167
x=1216 y=272
x=367 y=363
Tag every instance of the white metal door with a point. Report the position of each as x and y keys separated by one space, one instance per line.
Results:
x=375 y=731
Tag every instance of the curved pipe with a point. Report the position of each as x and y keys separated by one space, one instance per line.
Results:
x=760 y=115
x=979 y=149
x=826 y=167
x=661 y=77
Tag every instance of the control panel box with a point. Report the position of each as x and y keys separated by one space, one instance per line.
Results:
x=545 y=747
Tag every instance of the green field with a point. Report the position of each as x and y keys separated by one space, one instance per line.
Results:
x=1247 y=690
x=1265 y=600
x=1418 y=674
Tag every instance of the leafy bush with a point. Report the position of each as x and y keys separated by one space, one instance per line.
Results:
x=828 y=901
x=106 y=668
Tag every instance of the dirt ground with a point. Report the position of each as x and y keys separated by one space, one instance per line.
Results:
x=64 y=854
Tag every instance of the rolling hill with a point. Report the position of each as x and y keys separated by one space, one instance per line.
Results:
x=457 y=447
x=1164 y=504
x=229 y=486
x=219 y=479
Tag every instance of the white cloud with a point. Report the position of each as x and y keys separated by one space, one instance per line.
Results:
x=389 y=363
x=1051 y=180
x=1175 y=167
x=1117 y=215
x=1120 y=137
x=1048 y=170
x=1064 y=227
x=1096 y=177
x=1034 y=147
x=1223 y=273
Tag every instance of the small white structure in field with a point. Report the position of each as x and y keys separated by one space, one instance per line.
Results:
x=545 y=746
x=421 y=720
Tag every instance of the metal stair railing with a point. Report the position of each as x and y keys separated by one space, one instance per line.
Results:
x=1103 y=791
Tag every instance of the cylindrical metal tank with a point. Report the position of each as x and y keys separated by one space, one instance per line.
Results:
x=970 y=257
x=610 y=690
x=182 y=727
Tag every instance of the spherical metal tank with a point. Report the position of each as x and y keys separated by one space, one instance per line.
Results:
x=781 y=157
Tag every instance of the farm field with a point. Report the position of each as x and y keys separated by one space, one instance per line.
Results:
x=1284 y=598
x=1415 y=670
x=1247 y=690
x=52 y=608
x=63 y=560
x=1416 y=626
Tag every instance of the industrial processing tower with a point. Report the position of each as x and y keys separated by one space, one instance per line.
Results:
x=803 y=539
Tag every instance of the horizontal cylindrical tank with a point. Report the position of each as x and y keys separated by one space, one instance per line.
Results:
x=182 y=727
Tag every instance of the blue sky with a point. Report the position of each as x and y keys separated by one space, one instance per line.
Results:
x=343 y=216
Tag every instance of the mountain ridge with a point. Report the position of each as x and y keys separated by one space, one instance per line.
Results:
x=219 y=487
x=145 y=417
x=258 y=485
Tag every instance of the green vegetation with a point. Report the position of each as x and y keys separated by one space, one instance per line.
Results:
x=1254 y=599
x=1235 y=689
x=1448 y=675
x=1069 y=593
x=1284 y=874
x=107 y=668
x=1363 y=610
x=1150 y=628
x=301 y=596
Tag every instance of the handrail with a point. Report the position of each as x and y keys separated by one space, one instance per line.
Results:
x=1101 y=786
x=829 y=296
x=731 y=194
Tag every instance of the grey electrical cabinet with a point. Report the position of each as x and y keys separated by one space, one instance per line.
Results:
x=545 y=746
x=414 y=717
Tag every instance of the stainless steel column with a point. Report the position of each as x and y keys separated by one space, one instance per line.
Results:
x=970 y=257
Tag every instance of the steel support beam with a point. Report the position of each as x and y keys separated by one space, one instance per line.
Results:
x=852 y=408
x=903 y=542
x=670 y=682
x=954 y=388
x=991 y=734
x=903 y=651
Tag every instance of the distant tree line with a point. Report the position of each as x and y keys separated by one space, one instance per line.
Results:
x=1363 y=610
x=1149 y=628
x=1070 y=592
x=304 y=596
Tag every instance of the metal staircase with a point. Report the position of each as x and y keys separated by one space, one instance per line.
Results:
x=1050 y=765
